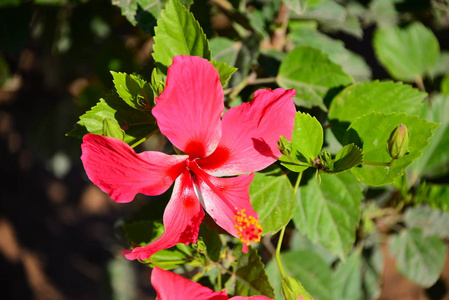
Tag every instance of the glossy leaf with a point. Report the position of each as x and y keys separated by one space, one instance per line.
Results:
x=329 y=212
x=136 y=92
x=273 y=199
x=138 y=125
x=419 y=258
x=248 y=275
x=178 y=33
x=435 y=159
x=386 y=97
x=371 y=133
x=306 y=266
x=407 y=53
x=312 y=74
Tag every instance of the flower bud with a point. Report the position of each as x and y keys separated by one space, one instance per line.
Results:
x=397 y=145
x=293 y=290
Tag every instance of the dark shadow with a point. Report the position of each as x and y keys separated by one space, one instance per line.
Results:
x=437 y=291
x=262 y=147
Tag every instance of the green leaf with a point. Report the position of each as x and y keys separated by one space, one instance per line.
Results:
x=347 y=158
x=383 y=12
x=136 y=92
x=224 y=71
x=435 y=195
x=359 y=277
x=224 y=50
x=212 y=242
x=419 y=258
x=307 y=128
x=435 y=159
x=169 y=259
x=142 y=232
x=312 y=74
x=273 y=199
x=445 y=85
x=246 y=58
x=178 y=33
x=306 y=266
x=431 y=221
x=328 y=213
x=248 y=275
x=112 y=129
x=407 y=53
x=386 y=97
x=352 y=63
x=138 y=125
x=371 y=133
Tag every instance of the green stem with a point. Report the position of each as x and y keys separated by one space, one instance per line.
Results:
x=281 y=235
x=278 y=253
x=219 y=280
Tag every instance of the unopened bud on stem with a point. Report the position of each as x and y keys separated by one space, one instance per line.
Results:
x=397 y=145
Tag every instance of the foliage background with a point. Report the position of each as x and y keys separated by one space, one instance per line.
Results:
x=56 y=229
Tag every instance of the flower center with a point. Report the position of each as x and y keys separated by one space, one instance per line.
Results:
x=247 y=227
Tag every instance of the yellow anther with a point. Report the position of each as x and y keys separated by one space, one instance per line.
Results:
x=247 y=227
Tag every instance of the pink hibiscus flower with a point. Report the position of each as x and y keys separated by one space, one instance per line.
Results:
x=188 y=113
x=171 y=286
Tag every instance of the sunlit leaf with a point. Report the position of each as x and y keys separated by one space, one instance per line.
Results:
x=136 y=92
x=272 y=198
x=386 y=97
x=329 y=212
x=178 y=33
x=352 y=63
x=371 y=133
x=312 y=74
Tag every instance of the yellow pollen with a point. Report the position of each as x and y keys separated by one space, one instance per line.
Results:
x=247 y=227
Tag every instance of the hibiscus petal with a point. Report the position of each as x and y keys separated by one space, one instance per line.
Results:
x=182 y=219
x=170 y=286
x=227 y=201
x=188 y=111
x=251 y=132
x=117 y=170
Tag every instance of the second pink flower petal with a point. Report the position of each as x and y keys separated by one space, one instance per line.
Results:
x=182 y=218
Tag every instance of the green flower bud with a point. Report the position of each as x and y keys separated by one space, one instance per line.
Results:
x=397 y=145
x=293 y=289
